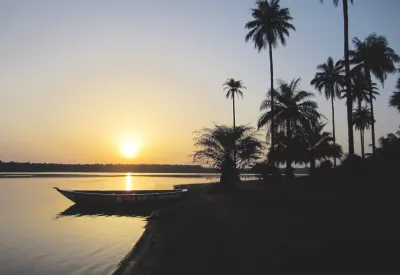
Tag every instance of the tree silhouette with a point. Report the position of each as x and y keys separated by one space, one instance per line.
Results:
x=293 y=110
x=394 y=100
x=319 y=145
x=362 y=119
x=361 y=88
x=215 y=147
x=270 y=25
x=373 y=56
x=308 y=145
x=232 y=88
x=330 y=78
x=347 y=70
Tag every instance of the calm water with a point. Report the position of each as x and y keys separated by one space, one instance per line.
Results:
x=41 y=234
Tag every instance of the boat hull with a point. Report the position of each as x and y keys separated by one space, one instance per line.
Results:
x=88 y=197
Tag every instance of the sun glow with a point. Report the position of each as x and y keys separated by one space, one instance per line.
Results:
x=129 y=148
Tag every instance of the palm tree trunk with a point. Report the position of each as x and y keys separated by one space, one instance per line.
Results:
x=288 y=148
x=348 y=83
x=333 y=129
x=361 y=132
x=362 y=143
x=234 y=131
x=271 y=69
x=312 y=164
x=371 y=103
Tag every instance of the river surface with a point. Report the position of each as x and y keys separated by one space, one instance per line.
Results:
x=41 y=233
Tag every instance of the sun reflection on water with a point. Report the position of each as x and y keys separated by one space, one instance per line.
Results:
x=128 y=184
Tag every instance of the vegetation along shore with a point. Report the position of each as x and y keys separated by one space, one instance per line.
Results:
x=340 y=219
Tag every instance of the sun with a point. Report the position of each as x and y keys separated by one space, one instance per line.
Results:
x=129 y=148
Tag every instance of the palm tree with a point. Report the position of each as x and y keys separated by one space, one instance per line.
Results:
x=329 y=77
x=394 y=100
x=361 y=89
x=308 y=145
x=216 y=148
x=232 y=88
x=287 y=149
x=362 y=119
x=293 y=111
x=270 y=25
x=347 y=70
x=373 y=56
x=361 y=92
x=319 y=145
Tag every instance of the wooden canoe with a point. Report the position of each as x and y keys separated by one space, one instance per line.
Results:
x=121 y=197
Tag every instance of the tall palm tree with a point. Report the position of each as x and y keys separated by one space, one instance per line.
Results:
x=374 y=57
x=329 y=78
x=215 y=147
x=394 y=100
x=349 y=102
x=270 y=25
x=293 y=111
x=233 y=87
x=361 y=92
x=362 y=119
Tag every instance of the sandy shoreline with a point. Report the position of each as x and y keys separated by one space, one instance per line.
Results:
x=265 y=232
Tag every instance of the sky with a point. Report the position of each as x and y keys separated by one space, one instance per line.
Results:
x=78 y=78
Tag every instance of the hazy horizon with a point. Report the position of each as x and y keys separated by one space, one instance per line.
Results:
x=80 y=77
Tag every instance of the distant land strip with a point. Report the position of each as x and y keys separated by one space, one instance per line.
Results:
x=97 y=167
x=28 y=167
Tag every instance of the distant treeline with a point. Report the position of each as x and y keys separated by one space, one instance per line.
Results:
x=124 y=168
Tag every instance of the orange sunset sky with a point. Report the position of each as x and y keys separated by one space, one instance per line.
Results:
x=79 y=78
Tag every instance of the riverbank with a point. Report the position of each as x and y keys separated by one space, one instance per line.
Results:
x=269 y=231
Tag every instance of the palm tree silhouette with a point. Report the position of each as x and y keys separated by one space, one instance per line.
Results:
x=232 y=88
x=361 y=92
x=362 y=119
x=361 y=89
x=330 y=78
x=270 y=25
x=293 y=110
x=373 y=56
x=347 y=70
x=320 y=145
x=394 y=100
x=216 y=146
x=307 y=146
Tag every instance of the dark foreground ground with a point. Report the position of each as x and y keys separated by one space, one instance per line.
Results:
x=272 y=231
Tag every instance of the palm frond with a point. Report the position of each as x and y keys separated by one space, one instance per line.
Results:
x=270 y=24
x=233 y=87
x=215 y=146
x=394 y=100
